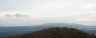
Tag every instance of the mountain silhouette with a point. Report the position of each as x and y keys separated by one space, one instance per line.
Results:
x=55 y=32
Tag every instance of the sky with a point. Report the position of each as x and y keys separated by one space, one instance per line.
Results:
x=48 y=11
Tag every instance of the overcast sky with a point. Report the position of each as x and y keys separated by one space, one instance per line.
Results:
x=48 y=11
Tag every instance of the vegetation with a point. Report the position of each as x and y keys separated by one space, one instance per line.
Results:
x=55 y=33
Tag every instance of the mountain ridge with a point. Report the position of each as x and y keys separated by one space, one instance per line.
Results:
x=15 y=30
x=55 y=32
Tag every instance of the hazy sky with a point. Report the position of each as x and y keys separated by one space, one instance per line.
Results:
x=48 y=11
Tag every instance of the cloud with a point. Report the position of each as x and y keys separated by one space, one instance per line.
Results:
x=48 y=10
x=21 y=15
x=17 y=15
x=18 y=5
x=86 y=21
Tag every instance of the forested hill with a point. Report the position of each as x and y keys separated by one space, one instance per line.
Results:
x=55 y=32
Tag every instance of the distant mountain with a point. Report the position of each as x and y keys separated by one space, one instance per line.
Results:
x=55 y=33
x=89 y=29
x=71 y=25
x=15 y=30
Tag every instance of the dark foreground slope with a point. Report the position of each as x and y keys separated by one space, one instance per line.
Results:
x=17 y=30
x=55 y=33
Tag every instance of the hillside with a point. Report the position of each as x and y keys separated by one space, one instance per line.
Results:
x=17 y=30
x=55 y=33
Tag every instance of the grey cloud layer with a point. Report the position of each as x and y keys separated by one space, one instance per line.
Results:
x=16 y=15
x=50 y=10
x=15 y=5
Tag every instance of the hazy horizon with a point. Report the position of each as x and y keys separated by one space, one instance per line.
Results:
x=48 y=11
